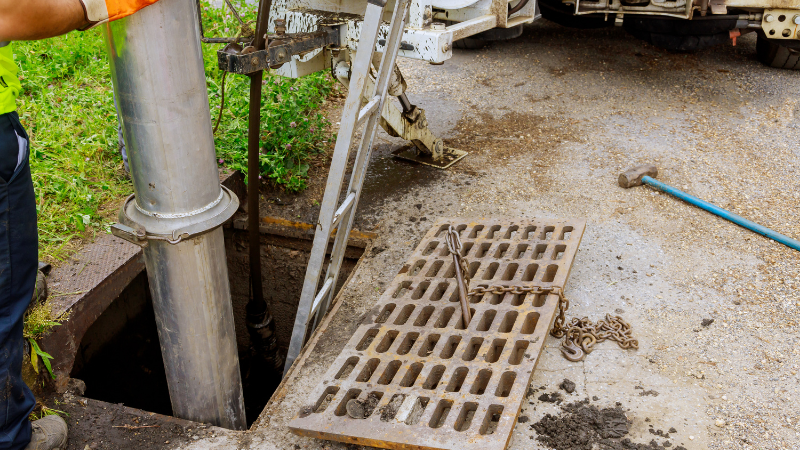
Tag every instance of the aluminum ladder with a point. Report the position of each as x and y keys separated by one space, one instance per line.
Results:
x=335 y=216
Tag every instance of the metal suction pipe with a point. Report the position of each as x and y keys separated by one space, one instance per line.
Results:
x=178 y=207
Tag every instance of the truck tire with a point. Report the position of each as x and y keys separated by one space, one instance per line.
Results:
x=682 y=43
x=480 y=40
x=679 y=35
x=773 y=54
x=470 y=44
x=564 y=15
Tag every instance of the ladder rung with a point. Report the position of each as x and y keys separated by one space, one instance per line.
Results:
x=346 y=204
x=322 y=293
x=368 y=109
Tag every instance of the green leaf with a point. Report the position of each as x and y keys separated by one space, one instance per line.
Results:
x=34 y=357
x=36 y=350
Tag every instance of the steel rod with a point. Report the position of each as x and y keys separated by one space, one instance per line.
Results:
x=462 y=293
x=725 y=214
x=257 y=306
x=260 y=325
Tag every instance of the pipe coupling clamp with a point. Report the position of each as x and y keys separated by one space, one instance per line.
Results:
x=139 y=227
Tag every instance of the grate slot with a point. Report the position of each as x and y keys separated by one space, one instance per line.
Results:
x=450 y=347
x=492 y=419
x=508 y=322
x=481 y=381
x=441 y=413
x=369 y=336
x=417 y=410
x=390 y=372
x=411 y=375
x=429 y=345
x=434 y=377
x=326 y=399
x=368 y=370
x=405 y=313
x=348 y=367
x=465 y=417
x=423 y=378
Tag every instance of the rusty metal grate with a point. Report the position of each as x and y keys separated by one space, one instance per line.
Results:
x=421 y=379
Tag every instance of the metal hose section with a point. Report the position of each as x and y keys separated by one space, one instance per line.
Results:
x=516 y=8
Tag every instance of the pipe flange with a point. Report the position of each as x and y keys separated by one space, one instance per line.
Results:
x=139 y=226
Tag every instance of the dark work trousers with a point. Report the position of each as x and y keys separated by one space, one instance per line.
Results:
x=18 y=265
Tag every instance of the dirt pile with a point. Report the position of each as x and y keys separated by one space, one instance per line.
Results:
x=583 y=426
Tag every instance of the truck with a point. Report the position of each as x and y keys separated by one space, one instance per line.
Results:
x=435 y=27
x=692 y=25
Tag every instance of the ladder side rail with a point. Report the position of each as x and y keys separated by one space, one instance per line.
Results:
x=381 y=84
x=361 y=63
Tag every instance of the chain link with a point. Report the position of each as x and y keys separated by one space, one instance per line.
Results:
x=580 y=335
x=454 y=245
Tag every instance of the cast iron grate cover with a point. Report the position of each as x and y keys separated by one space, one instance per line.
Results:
x=421 y=378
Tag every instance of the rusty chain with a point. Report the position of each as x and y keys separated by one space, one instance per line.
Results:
x=580 y=335
x=462 y=274
x=454 y=245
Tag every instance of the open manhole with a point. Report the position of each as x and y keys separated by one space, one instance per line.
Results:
x=119 y=357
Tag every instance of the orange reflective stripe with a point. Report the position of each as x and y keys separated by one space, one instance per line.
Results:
x=117 y=9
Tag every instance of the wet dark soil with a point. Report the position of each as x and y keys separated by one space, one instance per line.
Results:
x=583 y=426
x=95 y=425
x=555 y=397
x=567 y=385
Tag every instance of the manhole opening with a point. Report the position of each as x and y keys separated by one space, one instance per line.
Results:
x=119 y=357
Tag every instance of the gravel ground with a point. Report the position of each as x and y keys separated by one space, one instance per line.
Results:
x=550 y=120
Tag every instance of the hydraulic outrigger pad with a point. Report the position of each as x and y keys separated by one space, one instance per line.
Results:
x=449 y=156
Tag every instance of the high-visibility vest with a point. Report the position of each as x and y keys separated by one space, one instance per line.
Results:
x=9 y=83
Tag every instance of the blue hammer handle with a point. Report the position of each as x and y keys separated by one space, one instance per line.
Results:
x=725 y=214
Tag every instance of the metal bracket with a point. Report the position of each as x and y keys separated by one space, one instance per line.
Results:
x=281 y=48
x=411 y=126
x=138 y=228
x=781 y=23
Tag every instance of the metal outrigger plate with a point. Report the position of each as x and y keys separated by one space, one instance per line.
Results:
x=413 y=376
x=449 y=157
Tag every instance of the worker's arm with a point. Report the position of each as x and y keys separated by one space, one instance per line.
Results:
x=38 y=19
x=22 y=20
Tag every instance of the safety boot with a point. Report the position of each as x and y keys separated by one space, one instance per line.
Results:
x=48 y=433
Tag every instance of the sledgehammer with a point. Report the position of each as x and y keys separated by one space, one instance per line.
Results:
x=644 y=175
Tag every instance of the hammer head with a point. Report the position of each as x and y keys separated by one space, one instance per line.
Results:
x=634 y=176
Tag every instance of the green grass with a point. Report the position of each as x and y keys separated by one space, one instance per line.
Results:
x=291 y=132
x=67 y=107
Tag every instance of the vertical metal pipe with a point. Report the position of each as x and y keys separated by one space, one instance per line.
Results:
x=259 y=320
x=256 y=307
x=159 y=80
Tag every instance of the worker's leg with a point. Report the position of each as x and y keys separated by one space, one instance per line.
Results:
x=18 y=262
